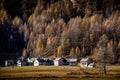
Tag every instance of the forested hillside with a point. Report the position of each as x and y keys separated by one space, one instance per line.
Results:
x=60 y=28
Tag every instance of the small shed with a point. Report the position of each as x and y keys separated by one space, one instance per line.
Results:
x=84 y=62
x=72 y=62
x=36 y=62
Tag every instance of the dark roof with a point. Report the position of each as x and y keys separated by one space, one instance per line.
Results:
x=72 y=60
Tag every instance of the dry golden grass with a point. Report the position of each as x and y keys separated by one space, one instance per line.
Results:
x=38 y=68
x=53 y=72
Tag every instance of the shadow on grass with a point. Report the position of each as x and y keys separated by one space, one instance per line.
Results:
x=80 y=77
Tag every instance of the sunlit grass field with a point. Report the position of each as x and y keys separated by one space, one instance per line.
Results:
x=58 y=73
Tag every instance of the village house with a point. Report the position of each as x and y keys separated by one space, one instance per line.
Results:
x=6 y=63
x=91 y=65
x=52 y=61
x=9 y=63
x=33 y=61
x=47 y=61
x=21 y=61
x=30 y=61
x=36 y=62
x=86 y=62
x=41 y=61
x=60 y=61
x=72 y=62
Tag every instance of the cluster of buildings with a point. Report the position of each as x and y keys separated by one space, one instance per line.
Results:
x=84 y=62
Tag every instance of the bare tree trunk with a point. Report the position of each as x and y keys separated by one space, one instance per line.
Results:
x=104 y=68
x=104 y=64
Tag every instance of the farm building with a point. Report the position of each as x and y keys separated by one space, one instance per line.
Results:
x=44 y=61
x=9 y=63
x=73 y=62
x=47 y=61
x=30 y=61
x=41 y=61
x=21 y=63
x=36 y=62
x=60 y=61
x=22 y=58
x=6 y=63
x=91 y=65
x=85 y=62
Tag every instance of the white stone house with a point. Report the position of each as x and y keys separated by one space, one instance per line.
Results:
x=85 y=62
x=36 y=62
x=59 y=62
x=19 y=63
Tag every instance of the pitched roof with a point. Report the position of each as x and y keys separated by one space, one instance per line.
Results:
x=41 y=60
x=45 y=59
x=30 y=60
x=84 y=59
x=72 y=60
x=36 y=60
x=56 y=59
x=33 y=59
x=22 y=58
x=91 y=64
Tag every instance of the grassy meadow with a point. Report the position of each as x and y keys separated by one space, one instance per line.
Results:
x=58 y=73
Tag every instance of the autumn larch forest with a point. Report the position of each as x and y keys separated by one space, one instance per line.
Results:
x=60 y=28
